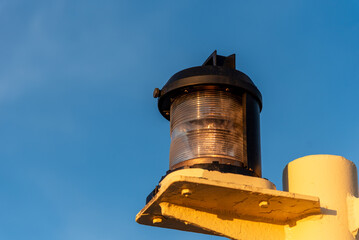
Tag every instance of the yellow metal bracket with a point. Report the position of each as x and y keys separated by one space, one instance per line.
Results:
x=225 y=204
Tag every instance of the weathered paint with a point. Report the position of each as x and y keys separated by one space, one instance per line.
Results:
x=334 y=180
x=319 y=201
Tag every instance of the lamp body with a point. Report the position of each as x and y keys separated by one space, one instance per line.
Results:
x=214 y=115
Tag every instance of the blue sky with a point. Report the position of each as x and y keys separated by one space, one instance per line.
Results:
x=82 y=142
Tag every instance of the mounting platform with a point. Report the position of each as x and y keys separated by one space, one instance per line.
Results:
x=225 y=196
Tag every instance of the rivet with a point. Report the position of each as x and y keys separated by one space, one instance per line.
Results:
x=263 y=204
x=186 y=192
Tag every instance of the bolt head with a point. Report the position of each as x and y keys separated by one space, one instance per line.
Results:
x=263 y=204
x=157 y=220
x=186 y=192
x=156 y=92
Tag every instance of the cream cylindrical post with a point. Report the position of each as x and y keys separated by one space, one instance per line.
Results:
x=334 y=180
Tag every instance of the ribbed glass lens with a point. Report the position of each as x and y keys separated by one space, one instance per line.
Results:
x=206 y=126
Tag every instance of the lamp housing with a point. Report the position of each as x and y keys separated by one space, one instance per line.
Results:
x=213 y=111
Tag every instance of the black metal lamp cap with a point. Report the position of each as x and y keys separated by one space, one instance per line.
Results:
x=217 y=72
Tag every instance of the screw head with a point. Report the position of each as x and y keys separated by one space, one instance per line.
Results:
x=186 y=192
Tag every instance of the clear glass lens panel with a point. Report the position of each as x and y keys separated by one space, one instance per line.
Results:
x=206 y=124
